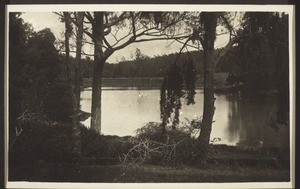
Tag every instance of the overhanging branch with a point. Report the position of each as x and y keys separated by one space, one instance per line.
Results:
x=184 y=45
x=132 y=40
x=116 y=21
x=160 y=38
x=225 y=49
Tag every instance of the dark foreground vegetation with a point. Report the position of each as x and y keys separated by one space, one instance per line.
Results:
x=44 y=153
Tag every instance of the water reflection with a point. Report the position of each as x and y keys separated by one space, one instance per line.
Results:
x=248 y=120
x=238 y=121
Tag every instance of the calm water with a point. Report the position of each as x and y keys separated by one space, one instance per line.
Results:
x=238 y=121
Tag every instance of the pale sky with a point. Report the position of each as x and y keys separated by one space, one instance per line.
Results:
x=50 y=20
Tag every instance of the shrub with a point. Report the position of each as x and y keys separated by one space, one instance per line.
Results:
x=100 y=149
x=57 y=103
x=41 y=140
x=92 y=145
x=173 y=147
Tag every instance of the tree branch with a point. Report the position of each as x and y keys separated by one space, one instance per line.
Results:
x=160 y=38
x=116 y=21
x=106 y=42
x=59 y=14
x=225 y=49
x=130 y=40
x=84 y=30
x=184 y=45
x=121 y=39
x=88 y=42
x=133 y=25
x=230 y=28
x=202 y=43
x=89 y=17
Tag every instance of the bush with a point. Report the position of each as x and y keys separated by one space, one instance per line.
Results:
x=173 y=147
x=92 y=145
x=41 y=140
x=102 y=149
x=57 y=103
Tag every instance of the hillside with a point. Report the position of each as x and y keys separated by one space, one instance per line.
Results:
x=146 y=66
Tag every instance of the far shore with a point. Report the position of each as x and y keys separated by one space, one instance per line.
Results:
x=151 y=82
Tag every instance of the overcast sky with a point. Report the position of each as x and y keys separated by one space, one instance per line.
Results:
x=50 y=20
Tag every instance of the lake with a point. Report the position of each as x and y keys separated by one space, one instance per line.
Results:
x=238 y=121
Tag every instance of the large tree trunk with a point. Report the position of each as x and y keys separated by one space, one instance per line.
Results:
x=209 y=22
x=99 y=61
x=97 y=93
x=80 y=17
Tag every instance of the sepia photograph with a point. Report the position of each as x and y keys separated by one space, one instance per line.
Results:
x=103 y=95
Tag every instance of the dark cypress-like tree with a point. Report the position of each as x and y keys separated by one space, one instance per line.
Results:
x=179 y=82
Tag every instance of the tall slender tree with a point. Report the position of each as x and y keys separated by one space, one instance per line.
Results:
x=209 y=21
x=99 y=61
x=70 y=79
x=204 y=31
x=140 y=27
x=79 y=43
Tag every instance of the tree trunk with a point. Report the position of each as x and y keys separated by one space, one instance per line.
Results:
x=209 y=22
x=80 y=17
x=70 y=78
x=75 y=130
x=97 y=93
x=99 y=61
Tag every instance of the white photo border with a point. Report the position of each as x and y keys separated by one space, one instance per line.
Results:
x=290 y=9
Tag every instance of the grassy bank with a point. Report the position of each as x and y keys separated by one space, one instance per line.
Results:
x=50 y=172
x=43 y=153
x=224 y=164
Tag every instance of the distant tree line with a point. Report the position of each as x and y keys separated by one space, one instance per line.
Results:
x=156 y=66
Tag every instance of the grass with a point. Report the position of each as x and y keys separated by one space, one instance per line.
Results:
x=153 y=173
x=225 y=164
